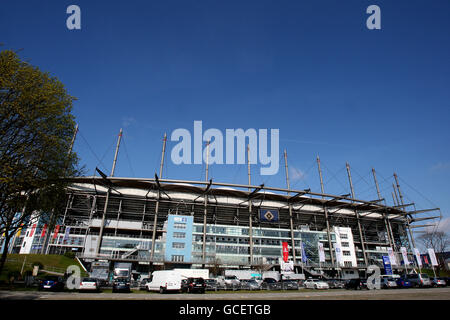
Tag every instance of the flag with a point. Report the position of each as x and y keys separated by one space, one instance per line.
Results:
x=285 y=251
x=19 y=231
x=321 y=252
x=337 y=249
x=43 y=230
x=392 y=257
x=405 y=256
x=32 y=230
x=55 y=233
x=304 y=257
x=66 y=234
x=433 y=259
x=268 y=215
x=417 y=254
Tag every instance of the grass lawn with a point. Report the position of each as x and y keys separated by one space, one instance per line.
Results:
x=51 y=262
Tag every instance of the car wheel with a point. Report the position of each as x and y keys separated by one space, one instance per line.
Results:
x=161 y=290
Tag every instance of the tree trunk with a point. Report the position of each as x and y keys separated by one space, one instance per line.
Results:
x=4 y=253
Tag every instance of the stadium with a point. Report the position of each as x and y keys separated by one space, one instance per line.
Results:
x=165 y=223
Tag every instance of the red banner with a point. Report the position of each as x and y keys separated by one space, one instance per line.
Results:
x=43 y=230
x=55 y=233
x=285 y=251
x=32 y=230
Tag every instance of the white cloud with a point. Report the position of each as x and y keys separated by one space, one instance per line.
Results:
x=296 y=174
x=128 y=121
x=441 y=166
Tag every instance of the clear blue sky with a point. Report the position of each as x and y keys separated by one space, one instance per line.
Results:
x=374 y=98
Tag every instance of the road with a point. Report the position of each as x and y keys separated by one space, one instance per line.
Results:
x=389 y=294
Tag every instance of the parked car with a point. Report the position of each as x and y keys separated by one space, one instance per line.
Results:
x=143 y=283
x=316 y=284
x=250 y=284
x=211 y=284
x=388 y=283
x=121 y=284
x=52 y=283
x=289 y=284
x=356 y=284
x=270 y=284
x=336 y=283
x=89 y=284
x=403 y=282
x=191 y=285
x=438 y=282
x=419 y=279
x=232 y=282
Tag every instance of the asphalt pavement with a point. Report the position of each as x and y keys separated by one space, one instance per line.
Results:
x=332 y=294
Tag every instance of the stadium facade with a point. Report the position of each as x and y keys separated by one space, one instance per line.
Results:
x=153 y=222
x=159 y=223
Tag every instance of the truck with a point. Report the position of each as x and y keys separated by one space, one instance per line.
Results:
x=164 y=281
x=193 y=273
x=122 y=270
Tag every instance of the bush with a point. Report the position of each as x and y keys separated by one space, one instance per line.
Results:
x=70 y=255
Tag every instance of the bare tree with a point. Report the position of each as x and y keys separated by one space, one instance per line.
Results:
x=439 y=241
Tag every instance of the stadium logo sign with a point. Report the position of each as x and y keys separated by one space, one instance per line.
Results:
x=213 y=151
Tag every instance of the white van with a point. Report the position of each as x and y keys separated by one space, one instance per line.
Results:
x=164 y=280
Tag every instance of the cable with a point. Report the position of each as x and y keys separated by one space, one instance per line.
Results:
x=128 y=158
x=93 y=152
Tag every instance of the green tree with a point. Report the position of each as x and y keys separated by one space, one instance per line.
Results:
x=36 y=130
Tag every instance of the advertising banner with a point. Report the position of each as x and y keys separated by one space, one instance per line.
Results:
x=433 y=259
x=285 y=251
x=387 y=265
x=321 y=252
x=392 y=257
x=418 y=259
x=405 y=256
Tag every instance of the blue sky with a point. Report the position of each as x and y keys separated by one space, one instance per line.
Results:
x=374 y=98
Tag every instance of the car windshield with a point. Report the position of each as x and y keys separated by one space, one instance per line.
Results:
x=424 y=275
x=121 y=273
x=51 y=279
x=88 y=280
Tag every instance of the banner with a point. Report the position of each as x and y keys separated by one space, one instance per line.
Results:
x=337 y=249
x=286 y=267
x=425 y=260
x=433 y=259
x=285 y=251
x=66 y=234
x=55 y=233
x=418 y=259
x=321 y=252
x=44 y=229
x=392 y=257
x=387 y=265
x=405 y=256
x=19 y=231
x=304 y=257
x=32 y=230
x=268 y=215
